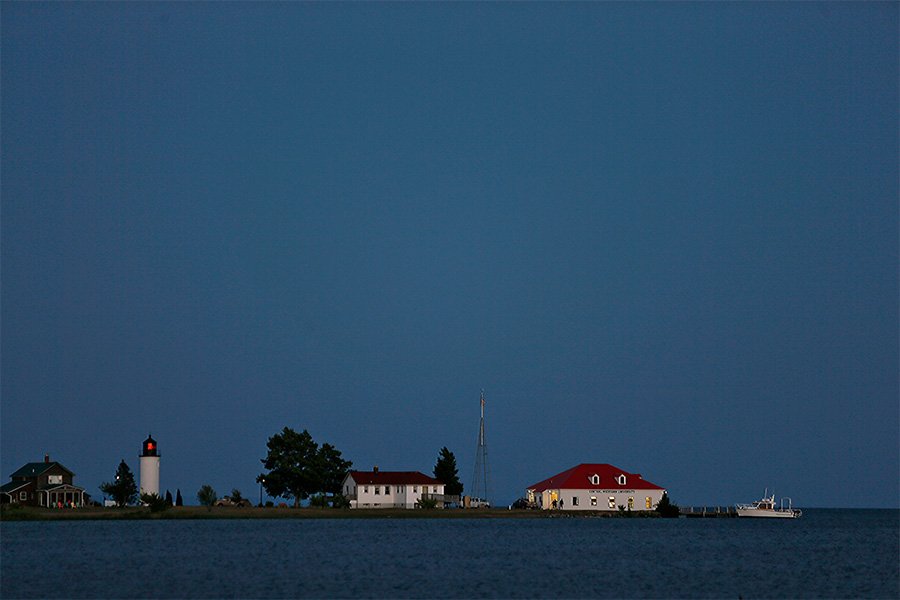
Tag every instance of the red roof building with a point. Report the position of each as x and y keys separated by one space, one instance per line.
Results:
x=595 y=486
x=391 y=489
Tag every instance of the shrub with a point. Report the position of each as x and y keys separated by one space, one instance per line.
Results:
x=156 y=502
x=207 y=496
x=666 y=508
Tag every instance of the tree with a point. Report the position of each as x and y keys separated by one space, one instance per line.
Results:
x=236 y=495
x=665 y=507
x=294 y=466
x=168 y=498
x=156 y=502
x=332 y=469
x=178 y=500
x=299 y=467
x=446 y=472
x=207 y=496
x=122 y=489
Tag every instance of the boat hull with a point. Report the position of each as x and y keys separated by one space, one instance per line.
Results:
x=767 y=514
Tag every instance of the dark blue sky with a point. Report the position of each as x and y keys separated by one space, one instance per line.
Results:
x=663 y=236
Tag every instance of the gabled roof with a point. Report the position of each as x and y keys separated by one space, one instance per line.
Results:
x=594 y=476
x=33 y=469
x=12 y=486
x=56 y=487
x=392 y=478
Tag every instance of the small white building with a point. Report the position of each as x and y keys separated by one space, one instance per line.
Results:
x=594 y=486
x=390 y=489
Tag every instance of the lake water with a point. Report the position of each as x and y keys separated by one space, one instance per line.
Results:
x=825 y=554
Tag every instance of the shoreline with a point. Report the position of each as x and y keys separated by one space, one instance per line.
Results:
x=221 y=512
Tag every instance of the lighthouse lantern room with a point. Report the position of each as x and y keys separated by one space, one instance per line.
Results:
x=150 y=467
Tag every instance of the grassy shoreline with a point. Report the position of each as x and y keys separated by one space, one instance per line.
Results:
x=27 y=513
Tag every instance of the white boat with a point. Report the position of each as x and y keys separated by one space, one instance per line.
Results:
x=766 y=508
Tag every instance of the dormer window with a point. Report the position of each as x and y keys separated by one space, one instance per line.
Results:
x=595 y=479
x=621 y=479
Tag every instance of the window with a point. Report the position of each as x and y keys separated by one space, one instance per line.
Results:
x=387 y=490
x=377 y=490
x=365 y=489
x=612 y=501
x=23 y=495
x=621 y=479
x=593 y=500
x=415 y=489
x=630 y=502
x=574 y=500
x=595 y=479
x=648 y=502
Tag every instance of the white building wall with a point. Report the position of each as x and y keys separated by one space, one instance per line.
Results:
x=603 y=497
x=397 y=496
x=149 y=475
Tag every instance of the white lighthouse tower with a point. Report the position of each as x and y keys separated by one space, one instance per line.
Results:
x=150 y=467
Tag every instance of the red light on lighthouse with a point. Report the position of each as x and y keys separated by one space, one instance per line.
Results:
x=149 y=447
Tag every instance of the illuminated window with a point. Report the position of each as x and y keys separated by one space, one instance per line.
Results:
x=648 y=502
x=630 y=502
x=612 y=501
x=593 y=500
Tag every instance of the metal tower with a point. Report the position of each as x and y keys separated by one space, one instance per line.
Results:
x=480 y=477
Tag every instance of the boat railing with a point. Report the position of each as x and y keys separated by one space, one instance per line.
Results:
x=790 y=507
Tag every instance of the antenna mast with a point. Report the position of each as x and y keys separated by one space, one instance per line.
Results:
x=480 y=477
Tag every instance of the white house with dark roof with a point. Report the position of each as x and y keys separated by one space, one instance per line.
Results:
x=390 y=489
x=593 y=486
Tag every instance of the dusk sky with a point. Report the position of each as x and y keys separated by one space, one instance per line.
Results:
x=658 y=235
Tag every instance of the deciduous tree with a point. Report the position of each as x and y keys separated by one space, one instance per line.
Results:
x=293 y=466
x=332 y=469
x=298 y=467
x=207 y=496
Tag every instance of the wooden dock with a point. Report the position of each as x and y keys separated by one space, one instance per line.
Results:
x=708 y=512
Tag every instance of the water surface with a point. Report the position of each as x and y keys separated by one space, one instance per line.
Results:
x=825 y=554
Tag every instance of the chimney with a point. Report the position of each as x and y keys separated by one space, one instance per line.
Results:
x=375 y=469
x=46 y=458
